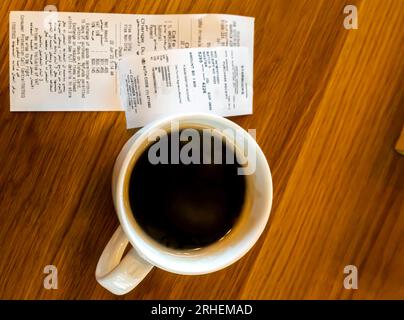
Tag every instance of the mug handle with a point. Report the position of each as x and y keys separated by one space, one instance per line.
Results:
x=116 y=275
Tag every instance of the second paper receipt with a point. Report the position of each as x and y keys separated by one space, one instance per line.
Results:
x=214 y=80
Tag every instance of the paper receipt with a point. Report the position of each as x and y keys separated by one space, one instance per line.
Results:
x=62 y=61
x=212 y=80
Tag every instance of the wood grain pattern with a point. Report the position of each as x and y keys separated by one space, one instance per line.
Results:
x=328 y=109
x=400 y=143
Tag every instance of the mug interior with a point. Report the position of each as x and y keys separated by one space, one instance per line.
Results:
x=232 y=246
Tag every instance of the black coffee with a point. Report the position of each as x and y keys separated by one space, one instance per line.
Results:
x=186 y=206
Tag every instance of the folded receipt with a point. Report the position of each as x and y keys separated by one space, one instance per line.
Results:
x=212 y=80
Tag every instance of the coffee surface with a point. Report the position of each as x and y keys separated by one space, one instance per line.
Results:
x=186 y=206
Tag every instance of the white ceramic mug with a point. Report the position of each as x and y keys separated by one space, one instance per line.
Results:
x=122 y=275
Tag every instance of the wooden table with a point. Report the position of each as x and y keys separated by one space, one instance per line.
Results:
x=328 y=108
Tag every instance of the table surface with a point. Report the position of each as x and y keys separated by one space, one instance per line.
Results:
x=328 y=108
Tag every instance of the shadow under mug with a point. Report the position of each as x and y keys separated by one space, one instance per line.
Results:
x=120 y=275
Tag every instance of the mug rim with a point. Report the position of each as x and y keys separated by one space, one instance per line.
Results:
x=179 y=260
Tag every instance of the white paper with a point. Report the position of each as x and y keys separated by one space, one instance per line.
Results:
x=62 y=61
x=212 y=80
